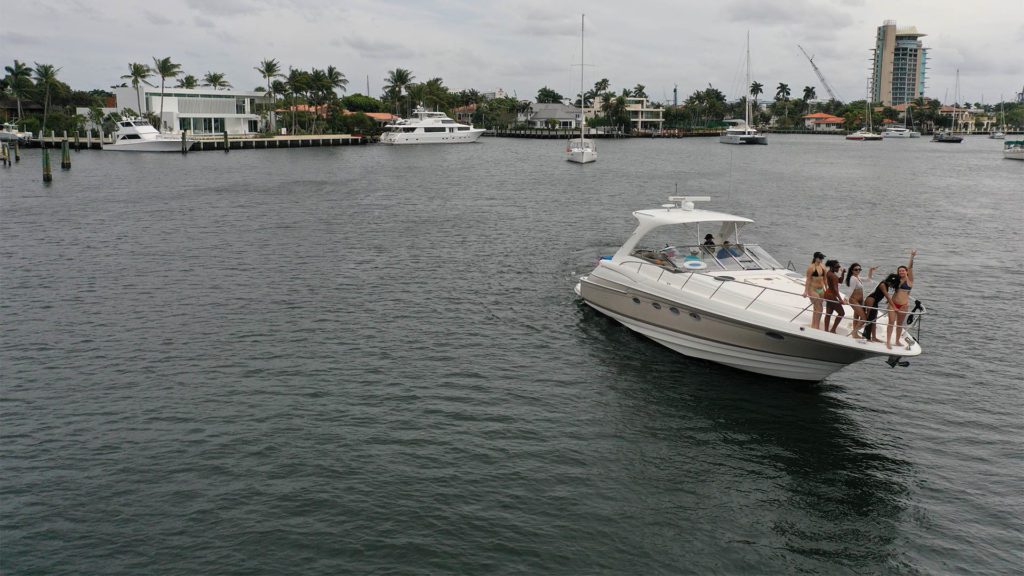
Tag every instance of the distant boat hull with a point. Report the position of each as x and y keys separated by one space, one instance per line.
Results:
x=1014 y=150
x=458 y=137
x=584 y=156
x=865 y=137
x=161 y=145
x=755 y=138
x=947 y=138
x=898 y=132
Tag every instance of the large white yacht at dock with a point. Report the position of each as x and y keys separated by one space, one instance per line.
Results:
x=138 y=135
x=429 y=128
x=731 y=303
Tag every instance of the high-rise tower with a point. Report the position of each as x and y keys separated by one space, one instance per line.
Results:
x=898 y=72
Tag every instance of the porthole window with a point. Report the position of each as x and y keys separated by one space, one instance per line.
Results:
x=774 y=335
x=656 y=305
x=674 y=310
x=695 y=316
x=636 y=300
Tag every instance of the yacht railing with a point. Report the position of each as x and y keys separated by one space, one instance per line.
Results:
x=916 y=314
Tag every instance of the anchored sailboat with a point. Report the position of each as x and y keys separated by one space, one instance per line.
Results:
x=741 y=132
x=582 y=150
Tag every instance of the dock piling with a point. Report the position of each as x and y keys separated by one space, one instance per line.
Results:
x=17 y=151
x=227 y=146
x=65 y=153
x=47 y=174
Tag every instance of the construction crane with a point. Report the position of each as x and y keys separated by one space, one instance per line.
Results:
x=821 y=76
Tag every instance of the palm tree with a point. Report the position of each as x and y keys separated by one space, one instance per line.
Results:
x=138 y=73
x=46 y=78
x=336 y=78
x=809 y=94
x=188 y=81
x=639 y=91
x=756 y=89
x=164 y=68
x=397 y=81
x=215 y=80
x=782 y=93
x=270 y=68
x=19 y=79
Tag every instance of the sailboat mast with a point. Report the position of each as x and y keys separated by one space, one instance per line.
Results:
x=583 y=98
x=747 y=89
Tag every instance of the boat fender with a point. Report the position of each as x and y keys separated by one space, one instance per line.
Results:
x=918 y=307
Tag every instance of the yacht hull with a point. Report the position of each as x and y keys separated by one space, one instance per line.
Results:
x=582 y=156
x=742 y=139
x=149 y=146
x=462 y=137
x=698 y=333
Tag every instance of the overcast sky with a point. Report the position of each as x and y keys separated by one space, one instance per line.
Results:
x=522 y=45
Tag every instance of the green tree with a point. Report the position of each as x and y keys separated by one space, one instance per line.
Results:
x=782 y=93
x=215 y=80
x=187 y=81
x=548 y=96
x=809 y=94
x=19 y=82
x=138 y=73
x=756 y=89
x=639 y=91
x=360 y=103
x=397 y=81
x=336 y=79
x=46 y=79
x=270 y=69
x=164 y=68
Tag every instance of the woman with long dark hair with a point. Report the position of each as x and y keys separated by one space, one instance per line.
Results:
x=814 y=287
x=873 y=301
x=853 y=289
x=833 y=299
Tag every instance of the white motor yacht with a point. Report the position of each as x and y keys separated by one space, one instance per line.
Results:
x=1013 y=149
x=10 y=133
x=429 y=128
x=138 y=135
x=732 y=304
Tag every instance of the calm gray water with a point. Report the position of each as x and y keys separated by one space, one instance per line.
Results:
x=370 y=360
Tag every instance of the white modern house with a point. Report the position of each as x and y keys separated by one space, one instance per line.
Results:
x=554 y=114
x=644 y=116
x=198 y=110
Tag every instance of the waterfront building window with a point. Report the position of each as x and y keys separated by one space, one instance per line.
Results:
x=184 y=124
x=239 y=105
x=218 y=125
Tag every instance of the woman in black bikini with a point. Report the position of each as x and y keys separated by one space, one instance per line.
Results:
x=900 y=300
x=873 y=301
x=833 y=300
x=814 y=287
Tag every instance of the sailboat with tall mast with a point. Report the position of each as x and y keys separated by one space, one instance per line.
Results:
x=1000 y=132
x=741 y=132
x=947 y=136
x=582 y=150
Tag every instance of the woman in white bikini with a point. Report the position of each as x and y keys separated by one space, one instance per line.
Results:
x=853 y=289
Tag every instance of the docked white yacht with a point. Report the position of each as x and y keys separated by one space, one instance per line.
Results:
x=138 y=135
x=10 y=133
x=429 y=128
x=732 y=304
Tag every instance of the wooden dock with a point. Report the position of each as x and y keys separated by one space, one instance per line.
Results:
x=203 y=143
